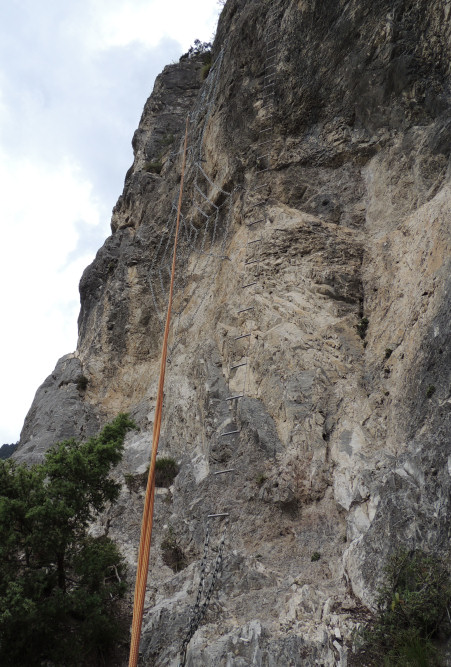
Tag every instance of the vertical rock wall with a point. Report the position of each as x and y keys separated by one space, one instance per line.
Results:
x=344 y=447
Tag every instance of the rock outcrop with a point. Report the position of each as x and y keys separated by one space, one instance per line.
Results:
x=343 y=448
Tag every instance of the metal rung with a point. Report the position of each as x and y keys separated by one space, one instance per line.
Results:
x=238 y=365
x=249 y=224
x=243 y=310
x=262 y=171
x=261 y=157
x=267 y=129
x=253 y=261
x=268 y=85
x=222 y=472
x=259 y=187
x=269 y=75
x=248 y=285
x=254 y=241
x=230 y=433
x=212 y=516
x=273 y=48
x=242 y=336
x=232 y=398
x=263 y=143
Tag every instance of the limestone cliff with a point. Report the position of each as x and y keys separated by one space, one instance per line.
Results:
x=318 y=174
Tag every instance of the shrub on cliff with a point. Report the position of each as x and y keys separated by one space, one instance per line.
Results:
x=413 y=611
x=166 y=470
x=59 y=586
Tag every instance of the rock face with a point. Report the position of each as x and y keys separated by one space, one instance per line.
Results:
x=319 y=174
x=58 y=412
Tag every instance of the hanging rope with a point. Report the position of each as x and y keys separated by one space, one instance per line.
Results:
x=147 y=521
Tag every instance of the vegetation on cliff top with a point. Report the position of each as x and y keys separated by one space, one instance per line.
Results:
x=59 y=586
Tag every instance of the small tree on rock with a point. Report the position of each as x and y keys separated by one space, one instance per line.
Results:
x=59 y=585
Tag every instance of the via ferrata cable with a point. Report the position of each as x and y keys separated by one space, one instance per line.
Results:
x=147 y=521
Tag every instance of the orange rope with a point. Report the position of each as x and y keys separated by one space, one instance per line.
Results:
x=147 y=521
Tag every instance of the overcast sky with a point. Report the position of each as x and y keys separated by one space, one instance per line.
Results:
x=74 y=77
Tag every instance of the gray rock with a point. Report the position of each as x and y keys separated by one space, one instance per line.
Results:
x=59 y=412
x=343 y=454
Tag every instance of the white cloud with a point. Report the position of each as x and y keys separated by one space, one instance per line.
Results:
x=74 y=77
x=146 y=21
x=39 y=286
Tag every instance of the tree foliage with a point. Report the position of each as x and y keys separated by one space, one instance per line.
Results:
x=197 y=49
x=413 y=612
x=7 y=450
x=58 y=584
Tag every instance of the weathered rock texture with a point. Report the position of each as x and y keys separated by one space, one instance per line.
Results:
x=344 y=444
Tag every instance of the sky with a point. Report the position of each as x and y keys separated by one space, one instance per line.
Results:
x=74 y=77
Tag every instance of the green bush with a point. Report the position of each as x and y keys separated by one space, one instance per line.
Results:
x=430 y=391
x=388 y=352
x=412 y=605
x=315 y=556
x=59 y=586
x=205 y=71
x=362 y=327
x=168 y=139
x=153 y=167
x=166 y=470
